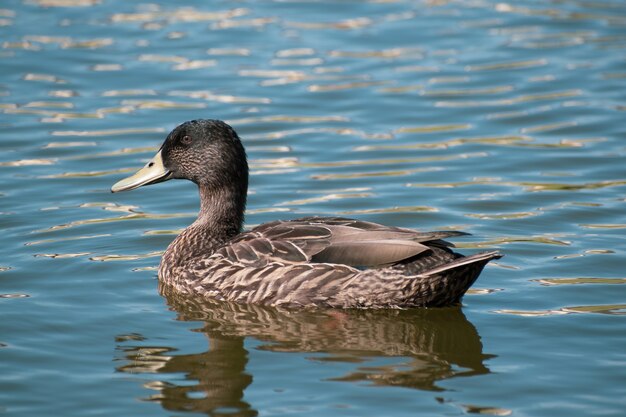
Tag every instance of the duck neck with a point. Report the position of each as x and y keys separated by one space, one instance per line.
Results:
x=221 y=212
x=220 y=219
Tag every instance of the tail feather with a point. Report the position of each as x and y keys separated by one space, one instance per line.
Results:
x=445 y=285
x=466 y=260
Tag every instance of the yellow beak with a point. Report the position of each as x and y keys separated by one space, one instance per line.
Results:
x=153 y=172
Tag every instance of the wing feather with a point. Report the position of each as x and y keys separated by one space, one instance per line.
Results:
x=370 y=252
x=334 y=240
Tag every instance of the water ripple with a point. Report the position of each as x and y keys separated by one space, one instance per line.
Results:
x=503 y=119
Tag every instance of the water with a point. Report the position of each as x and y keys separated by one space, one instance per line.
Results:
x=501 y=119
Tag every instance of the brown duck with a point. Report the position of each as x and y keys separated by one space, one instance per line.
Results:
x=307 y=262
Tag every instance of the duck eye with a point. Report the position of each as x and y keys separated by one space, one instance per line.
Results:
x=185 y=140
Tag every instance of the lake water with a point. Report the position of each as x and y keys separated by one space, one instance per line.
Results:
x=505 y=120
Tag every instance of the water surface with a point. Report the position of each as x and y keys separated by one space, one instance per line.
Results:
x=504 y=120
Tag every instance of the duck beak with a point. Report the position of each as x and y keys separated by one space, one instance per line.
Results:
x=152 y=173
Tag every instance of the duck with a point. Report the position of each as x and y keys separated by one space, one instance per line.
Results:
x=309 y=262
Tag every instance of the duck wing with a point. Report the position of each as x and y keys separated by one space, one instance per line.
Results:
x=334 y=240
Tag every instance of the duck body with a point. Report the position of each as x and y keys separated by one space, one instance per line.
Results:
x=309 y=262
x=326 y=262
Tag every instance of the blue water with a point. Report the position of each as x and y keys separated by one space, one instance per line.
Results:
x=504 y=120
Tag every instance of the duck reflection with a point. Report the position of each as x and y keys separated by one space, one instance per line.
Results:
x=434 y=344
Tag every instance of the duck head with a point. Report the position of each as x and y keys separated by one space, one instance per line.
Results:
x=207 y=152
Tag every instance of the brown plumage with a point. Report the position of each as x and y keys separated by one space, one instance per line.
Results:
x=313 y=261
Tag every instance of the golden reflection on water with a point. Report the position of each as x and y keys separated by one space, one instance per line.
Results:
x=544 y=240
x=404 y=53
x=479 y=91
x=54 y=114
x=453 y=79
x=162 y=232
x=356 y=23
x=324 y=198
x=13 y=295
x=128 y=257
x=121 y=208
x=44 y=77
x=258 y=23
x=527 y=186
x=123 y=93
x=273 y=163
x=483 y=291
x=146 y=268
x=65 y=239
x=402 y=89
x=548 y=127
x=268 y=210
x=228 y=51
x=162 y=104
x=585 y=253
x=133 y=216
x=389 y=173
x=562 y=143
x=65 y=3
x=396 y=209
x=433 y=128
x=345 y=86
x=489 y=411
x=511 y=101
x=392 y=161
x=299 y=61
x=61 y=255
x=62 y=93
x=180 y=63
x=88 y=44
x=86 y=174
x=184 y=14
x=503 y=216
x=68 y=144
x=53 y=104
x=508 y=65
x=603 y=226
x=221 y=98
x=28 y=162
x=162 y=58
x=108 y=132
x=123 y=151
x=287 y=119
x=578 y=281
x=495 y=140
x=614 y=309
x=278 y=134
